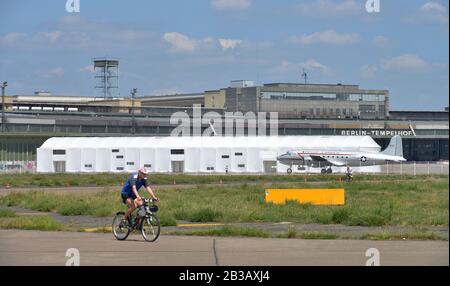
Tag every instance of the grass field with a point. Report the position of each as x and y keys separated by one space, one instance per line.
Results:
x=45 y=223
x=110 y=179
x=416 y=201
x=9 y=220
x=6 y=213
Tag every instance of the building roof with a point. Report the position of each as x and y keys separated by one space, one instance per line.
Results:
x=51 y=98
x=172 y=96
x=309 y=84
x=360 y=143
x=419 y=115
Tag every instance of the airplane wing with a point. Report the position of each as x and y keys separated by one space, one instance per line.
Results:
x=332 y=162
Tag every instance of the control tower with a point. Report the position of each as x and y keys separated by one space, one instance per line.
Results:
x=106 y=75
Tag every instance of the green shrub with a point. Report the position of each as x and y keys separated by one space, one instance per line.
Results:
x=378 y=216
x=340 y=216
x=205 y=215
x=291 y=233
x=228 y=231
x=317 y=235
x=31 y=223
x=181 y=214
x=43 y=205
x=167 y=220
x=7 y=213
x=74 y=208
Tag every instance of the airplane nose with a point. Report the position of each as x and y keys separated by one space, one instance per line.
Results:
x=282 y=157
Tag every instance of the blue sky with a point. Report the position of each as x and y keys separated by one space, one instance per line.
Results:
x=176 y=46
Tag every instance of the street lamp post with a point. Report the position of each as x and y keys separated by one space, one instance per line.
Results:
x=3 y=86
x=133 y=93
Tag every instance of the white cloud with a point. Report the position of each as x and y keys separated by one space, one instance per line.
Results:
x=409 y=63
x=330 y=8
x=229 y=43
x=314 y=65
x=428 y=12
x=325 y=37
x=12 y=38
x=231 y=4
x=368 y=71
x=76 y=32
x=48 y=36
x=434 y=11
x=283 y=67
x=310 y=65
x=183 y=44
x=89 y=69
x=433 y=7
x=180 y=42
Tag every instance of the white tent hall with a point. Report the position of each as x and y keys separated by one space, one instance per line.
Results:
x=184 y=154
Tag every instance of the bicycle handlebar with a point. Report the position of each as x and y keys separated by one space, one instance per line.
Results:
x=148 y=200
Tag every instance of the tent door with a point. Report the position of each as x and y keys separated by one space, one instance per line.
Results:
x=270 y=166
x=178 y=166
x=59 y=166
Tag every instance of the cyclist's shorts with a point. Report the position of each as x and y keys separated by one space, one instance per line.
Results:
x=125 y=197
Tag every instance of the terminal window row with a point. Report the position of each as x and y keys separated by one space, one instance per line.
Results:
x=323 y=96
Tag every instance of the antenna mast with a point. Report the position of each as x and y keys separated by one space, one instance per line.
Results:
x=133 y=122
x=305 y=76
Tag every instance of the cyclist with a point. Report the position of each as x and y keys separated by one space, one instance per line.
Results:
x=349 y=174
x=130 y=191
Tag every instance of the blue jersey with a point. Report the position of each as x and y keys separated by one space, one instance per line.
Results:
x=127 y=189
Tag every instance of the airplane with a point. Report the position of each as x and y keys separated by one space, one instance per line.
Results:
x=328 y=158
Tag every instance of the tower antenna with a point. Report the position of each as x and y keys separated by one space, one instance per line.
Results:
x=305 y=76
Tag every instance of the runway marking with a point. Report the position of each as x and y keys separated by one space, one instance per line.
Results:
x=216 y=259
x=94 y=229
x=199 y=225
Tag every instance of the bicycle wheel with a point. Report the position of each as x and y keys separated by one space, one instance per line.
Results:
x=119 y=229
x=151 y=228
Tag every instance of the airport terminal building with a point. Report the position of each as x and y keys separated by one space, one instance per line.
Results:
x=303 y=109
x=309 y=101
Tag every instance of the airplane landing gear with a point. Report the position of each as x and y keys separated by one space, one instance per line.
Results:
x=326 y=171
x=289 y=171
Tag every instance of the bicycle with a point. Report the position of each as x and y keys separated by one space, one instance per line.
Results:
x=349 y=178
x=145 y=220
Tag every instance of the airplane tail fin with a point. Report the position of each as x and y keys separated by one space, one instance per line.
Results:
x=395 y=147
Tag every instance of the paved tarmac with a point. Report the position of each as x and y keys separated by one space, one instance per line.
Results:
x=20 y=247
